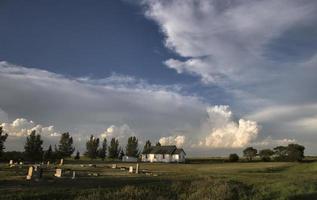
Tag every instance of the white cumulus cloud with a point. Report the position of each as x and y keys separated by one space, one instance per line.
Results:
x=22 y=127
x=225 y=132
x=178 y=140
x=118 y=132
x=270 y=142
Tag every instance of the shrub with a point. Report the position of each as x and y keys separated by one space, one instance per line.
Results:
x=233 y=157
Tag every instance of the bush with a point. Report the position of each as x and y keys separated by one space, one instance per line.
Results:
x=233 y=157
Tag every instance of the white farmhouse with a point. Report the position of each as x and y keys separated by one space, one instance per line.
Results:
x=163 y=154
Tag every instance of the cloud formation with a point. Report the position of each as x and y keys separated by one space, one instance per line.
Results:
x=116 y=108
x=261 y=52
x=225 y=132
x=84 y=106
x=22 y=127
x=121 y=133
x=225 y=39
x=270 y=142
x=178 y=140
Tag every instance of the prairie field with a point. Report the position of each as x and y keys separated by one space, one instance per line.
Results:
x=196 y=180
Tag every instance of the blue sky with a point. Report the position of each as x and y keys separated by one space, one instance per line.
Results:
x=213 y=76
x=80 y=38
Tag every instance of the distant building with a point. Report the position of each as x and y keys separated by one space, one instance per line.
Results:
x=164 y=154
x=129 y=159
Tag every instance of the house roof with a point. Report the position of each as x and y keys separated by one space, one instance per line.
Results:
x=178 y=151
x=163 y=150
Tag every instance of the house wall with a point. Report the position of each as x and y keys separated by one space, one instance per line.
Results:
x=166 y=158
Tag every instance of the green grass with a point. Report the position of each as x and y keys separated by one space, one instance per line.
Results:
x=217 y=180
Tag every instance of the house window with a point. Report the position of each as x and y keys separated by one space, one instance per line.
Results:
x=154 y=155
x=146 y=156
x=163 y=156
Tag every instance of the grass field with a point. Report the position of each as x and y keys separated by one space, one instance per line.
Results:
x=256 y=180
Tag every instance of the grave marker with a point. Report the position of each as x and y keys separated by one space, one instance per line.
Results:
x=114 y=166
x=131 y=169
x=58 y=173
x=61 y=162
x=30 y=173
x=137 y=168
x=74 y=175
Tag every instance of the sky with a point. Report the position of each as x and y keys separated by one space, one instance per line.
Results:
x=211 y=76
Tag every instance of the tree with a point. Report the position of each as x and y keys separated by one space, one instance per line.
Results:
x=121 y=154
x=3 y=137
x=250 y=153
x=113 y=149
x=295 y=152
x=48 y=154
x=65 y=147
x=147 y=146
x=158 y=144
x=56 y=153
x=92 y=147
x=280 y=153
x=103 y=150
x=233 y=157
x=265 y=154
x=33 y=147
x=77 y=157
x=132 y=147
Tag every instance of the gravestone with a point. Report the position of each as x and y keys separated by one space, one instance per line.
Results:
x=130 y=169
x=30 y=173
x=74 y=175
x=114 y=166
x=48 y=163
x=62 y=162
x=11 y=164
x=58 y=173
x=137 y=168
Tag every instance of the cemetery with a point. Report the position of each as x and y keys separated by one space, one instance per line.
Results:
x=107 y=171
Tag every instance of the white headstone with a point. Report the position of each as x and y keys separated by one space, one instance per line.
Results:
x=114 y=166
x=21 y=163
x=62 y=162
x=11 y=162
x=137 y=168
x=74 y=175
x=58 y=173
x=130 y=169
x=30 y=173
x=48 y=163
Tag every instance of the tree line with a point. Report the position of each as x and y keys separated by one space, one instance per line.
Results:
x=33 y=149
x=95 y=148
x=291 y=152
